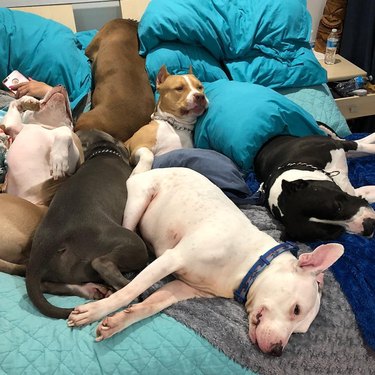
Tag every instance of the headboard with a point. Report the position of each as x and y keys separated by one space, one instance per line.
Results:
x=64 y=13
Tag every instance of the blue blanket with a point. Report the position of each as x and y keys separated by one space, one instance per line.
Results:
x=355 y=270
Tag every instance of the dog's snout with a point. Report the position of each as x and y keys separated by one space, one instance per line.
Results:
x=199 y=98
x=276 y=350
x=368 y=226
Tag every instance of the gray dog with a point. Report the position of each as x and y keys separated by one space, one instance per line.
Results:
x=81 y=239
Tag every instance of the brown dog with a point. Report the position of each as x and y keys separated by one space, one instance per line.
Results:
x=19 y=219
x=122 y=99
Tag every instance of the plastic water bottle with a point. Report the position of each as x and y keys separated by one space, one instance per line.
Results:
x=331 y=48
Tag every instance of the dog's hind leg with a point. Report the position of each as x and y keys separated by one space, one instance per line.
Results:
x=129 y=255
x=12 y=268
x=164 y=297
x=86 y=290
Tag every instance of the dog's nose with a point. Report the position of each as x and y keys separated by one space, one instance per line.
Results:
x=368 y=226
x=199 y=98
x=276 y=350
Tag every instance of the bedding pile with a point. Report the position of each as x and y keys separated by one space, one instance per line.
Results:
x=246 y=54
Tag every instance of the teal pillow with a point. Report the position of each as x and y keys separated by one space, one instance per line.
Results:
x=179 y=57
x=44 y=50
x=319 y=102
x=241 y=117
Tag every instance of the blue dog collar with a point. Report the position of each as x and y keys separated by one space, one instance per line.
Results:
x=264 y=260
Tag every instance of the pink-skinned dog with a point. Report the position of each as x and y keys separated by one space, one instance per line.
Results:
x=200 y=236
x=44 y=147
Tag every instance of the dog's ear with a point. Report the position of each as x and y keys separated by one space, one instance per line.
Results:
x=293 y=186
x=191 y=70
x=162 y=75
x=321 y=258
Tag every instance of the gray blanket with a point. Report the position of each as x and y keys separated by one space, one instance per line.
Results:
x=333 y=344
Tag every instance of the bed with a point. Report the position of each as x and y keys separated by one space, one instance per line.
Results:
x=210 y=336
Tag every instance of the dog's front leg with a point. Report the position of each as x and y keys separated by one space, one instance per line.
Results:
x=140 y=193
x=367 y=192
x=163 y=266
x=64 y=156
x=143 y=158
x=164 y=297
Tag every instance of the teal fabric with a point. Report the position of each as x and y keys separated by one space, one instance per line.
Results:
x=241 y=117
x=32 y=344
x=260 y=41
x=44 y=50
x=84 y=38
x=179 y=58
x=319 y=102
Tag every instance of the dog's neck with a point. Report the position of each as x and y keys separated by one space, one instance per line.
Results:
x=186 y=124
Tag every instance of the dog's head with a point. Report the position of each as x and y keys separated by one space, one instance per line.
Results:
x=285 y=297
x=181 y=96
x=54 y=109
x=319 y=210
x=93 y=139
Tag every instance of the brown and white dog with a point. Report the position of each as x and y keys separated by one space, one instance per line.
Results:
x=181 y=102
x=44 y=150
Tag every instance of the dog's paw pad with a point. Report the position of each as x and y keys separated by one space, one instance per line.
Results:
x=28 y=103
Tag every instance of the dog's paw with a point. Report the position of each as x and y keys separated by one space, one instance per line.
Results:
x=28 y=103
x=112 y=325
x=59 y=165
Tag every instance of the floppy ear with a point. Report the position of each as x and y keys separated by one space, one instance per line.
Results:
x=191 y=70
x=162 y=75
x=293 y=186
x=320 y=259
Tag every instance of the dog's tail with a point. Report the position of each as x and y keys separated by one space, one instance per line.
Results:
x=35 y=293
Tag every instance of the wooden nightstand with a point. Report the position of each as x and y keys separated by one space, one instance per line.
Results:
x=353 y=106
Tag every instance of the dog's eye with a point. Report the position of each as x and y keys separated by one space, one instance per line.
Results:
x=179 y=88
x=297 y=310
x=200 y=87
x=338 y=207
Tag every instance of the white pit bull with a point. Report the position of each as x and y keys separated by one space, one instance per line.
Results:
x=201 y=237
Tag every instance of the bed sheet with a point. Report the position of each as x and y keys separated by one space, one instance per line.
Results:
x=32 y=344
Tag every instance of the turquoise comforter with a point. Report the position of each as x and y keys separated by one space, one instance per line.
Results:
x=241 y=50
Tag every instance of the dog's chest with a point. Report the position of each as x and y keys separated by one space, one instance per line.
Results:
x=169 y=139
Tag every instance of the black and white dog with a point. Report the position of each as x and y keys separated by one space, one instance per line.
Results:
x=306 y=186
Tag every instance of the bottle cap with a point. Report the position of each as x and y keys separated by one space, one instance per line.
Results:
x=359 y=80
